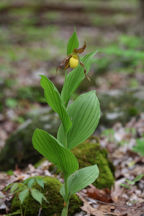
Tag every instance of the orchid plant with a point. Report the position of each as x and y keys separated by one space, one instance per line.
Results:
x=79 y=120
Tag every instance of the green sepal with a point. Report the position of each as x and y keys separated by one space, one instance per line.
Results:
x=72 y=43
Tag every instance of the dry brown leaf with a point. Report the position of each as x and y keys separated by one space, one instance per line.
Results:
x=117 y=191
x=100 y=210
x=102 y=195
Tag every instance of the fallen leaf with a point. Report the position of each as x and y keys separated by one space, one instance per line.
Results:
x=100 y=210
x=102 y=195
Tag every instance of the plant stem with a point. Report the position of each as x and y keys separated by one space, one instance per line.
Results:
x=65 y=210
x=21 y=210
x=66 y=200
x=66 y=187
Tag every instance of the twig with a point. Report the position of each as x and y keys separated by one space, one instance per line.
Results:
x=39 y=213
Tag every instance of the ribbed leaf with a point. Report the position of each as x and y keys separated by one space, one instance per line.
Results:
x=22 y=195
x=40 y=182
x=14 y=187
x=54 y=100
x=37 y=195
x=81 y=179
x=72 y=43
x=50 y=148
x=30 y=183
x=85 y=114
x=75 y=77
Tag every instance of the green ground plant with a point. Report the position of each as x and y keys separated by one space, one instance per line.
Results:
x=23 y=190
x=79 y=120
x=123 y=55
x=139 y=147
x=129 y=183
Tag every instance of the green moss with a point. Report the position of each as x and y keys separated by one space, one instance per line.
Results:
x=91 y=153
x=18 y=148
x=51 y=190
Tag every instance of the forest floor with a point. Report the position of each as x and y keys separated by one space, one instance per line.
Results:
x=26 y=52
x=126 y=196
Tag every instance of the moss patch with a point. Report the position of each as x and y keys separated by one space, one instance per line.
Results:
x=54 y=206
x=90 y=154
x=18 y=148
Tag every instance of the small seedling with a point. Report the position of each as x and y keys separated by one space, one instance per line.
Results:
x=11 y=103
x=139 y=148
x=23 y=190
x=78 y=121
x=129 y=183
x=109 y=133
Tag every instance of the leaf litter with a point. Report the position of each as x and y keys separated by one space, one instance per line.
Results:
x=120 y=200
x=129 y=171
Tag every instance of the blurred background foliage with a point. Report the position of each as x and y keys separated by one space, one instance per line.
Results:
x=33 y=37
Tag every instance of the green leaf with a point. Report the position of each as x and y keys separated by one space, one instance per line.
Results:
x=30 y=182
x=40 y=182
x=54 y=100
x=75 y=77
x=18 y=212
x=22 y=195
x=129 y=182
x=53 y=150
x=14 y=187
x=81 y=179
x=138 y=178
x=11 y=102
x=125 y=186
x=139 y=148
x=85 y=114
x=72 y=43
x=37 y=195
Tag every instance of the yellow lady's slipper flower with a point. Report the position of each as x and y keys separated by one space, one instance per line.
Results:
x=73 y=60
